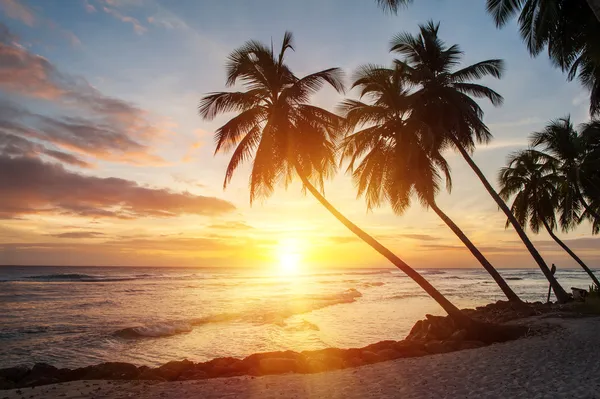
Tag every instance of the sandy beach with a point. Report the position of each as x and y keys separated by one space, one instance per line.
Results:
x=560 y=364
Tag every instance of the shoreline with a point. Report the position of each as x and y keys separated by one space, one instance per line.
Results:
x=433 y=335
x=560 y=363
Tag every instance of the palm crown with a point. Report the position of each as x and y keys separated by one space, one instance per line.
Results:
x=444 y=95
x=531 y=177
x=394 y=154
x=275 y=123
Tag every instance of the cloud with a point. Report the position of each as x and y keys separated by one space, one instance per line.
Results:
x=88 y=7
x=181 y=179
x=30 y=186
x=231 y=226
x=12 y=145
x=420 y=237
x=79 y=234
x=168 y=20
x=137 y=26
x=15 y=10
x=113 y=129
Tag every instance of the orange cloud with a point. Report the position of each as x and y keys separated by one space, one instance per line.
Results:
x=30 y=186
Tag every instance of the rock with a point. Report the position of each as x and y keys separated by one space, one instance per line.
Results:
x=354 y=362
x=14 y=373
x=224 y=367
x=439 y=328
x=389 y=354
x=278 y=365
x=410 y=348
x=471 y=344
x=108 y=371
x=43 y=368
x=172 y=370
x=458 y=335
x=6 y=383
x=438 y=347
x=370 y=357
x=40 y=374
x=376 y=347
x=193 y=374
x=314 y=366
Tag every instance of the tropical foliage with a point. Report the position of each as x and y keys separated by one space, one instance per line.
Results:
x=445 y=103
x=393 y=156
x=287 y=137
x=538 y=186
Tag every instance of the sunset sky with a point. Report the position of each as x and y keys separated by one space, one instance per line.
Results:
x=105 y=161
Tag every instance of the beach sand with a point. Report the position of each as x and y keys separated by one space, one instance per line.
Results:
x=562 y=364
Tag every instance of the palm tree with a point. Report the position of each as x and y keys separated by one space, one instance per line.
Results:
x=566 y=28
x=289 y=137
x=444 y=100
x=533 y=179
x=578 y=166
x=396 y=159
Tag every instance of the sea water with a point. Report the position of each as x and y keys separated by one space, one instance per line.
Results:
x=78 y=316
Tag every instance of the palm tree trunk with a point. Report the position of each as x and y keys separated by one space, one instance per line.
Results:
x=577 y=259
x=510 y=294
x=595 y=6
x=456 y=314
x=561 y=294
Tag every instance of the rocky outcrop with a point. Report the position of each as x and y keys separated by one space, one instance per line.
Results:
x=433 y=335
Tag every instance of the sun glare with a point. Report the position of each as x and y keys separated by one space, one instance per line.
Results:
x=289 y=257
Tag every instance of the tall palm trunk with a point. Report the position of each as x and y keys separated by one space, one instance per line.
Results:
x=459 y=317
x=595 y=6
x=561 y=294
x=510 y=294
x=577 y=259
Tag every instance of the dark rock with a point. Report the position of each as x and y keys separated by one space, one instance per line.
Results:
x=14 y=373
x=43 y=368
x=278 y=365
x=370 y=357
x=354 y=362
x=109 y=371
x=150 y=374
x=411 y=348
x=458 y=335
x=6 y=383
x=389 y=354
x=376 y=347
x=438 y=347
x=471 y=344
x=193 y=374
x=224 y=367
x=172 y=370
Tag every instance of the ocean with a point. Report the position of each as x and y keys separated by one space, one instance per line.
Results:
x=78 y=316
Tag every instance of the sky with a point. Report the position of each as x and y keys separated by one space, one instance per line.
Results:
x=105 y=161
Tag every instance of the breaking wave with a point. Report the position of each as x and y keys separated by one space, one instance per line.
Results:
x=275 y=315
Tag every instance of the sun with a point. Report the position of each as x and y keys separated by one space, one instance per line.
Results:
x=289 y=256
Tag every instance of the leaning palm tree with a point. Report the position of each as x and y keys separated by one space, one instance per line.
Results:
x=288 y=137
x=444 y=99
x=566 y=28
x=535 y=182
x=395 y=158
x=577 y=164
